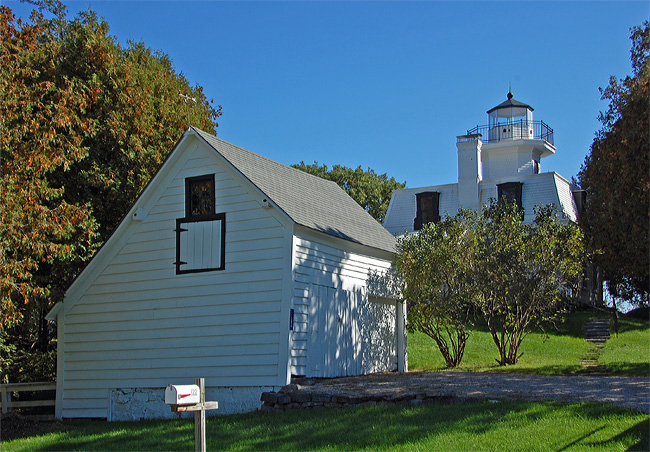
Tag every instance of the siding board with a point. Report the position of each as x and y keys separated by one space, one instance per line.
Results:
x=225 y=341
x=116 y=378
x=184 y=321
x=156 y=313
x=162 y=364
x=157 y=333
x=135 y=302
x=156 y=381
x=141 y=353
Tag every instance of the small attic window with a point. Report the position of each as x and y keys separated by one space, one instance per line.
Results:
x=427 y=205
x=201 y=234
x=511 y=191
x=199 y=196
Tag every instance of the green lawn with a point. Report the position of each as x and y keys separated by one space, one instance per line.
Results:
x=559 y=349
x=507 y=426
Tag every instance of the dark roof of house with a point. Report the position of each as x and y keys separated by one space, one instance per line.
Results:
x=510 y=103
x=308 y=200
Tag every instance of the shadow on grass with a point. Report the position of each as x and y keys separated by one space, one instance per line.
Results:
x=573 y=369
x=640 y=434
x=636 y=438
x=623 y=368
x=581 y=439
x=483 y=426
x=122 y=436
x=480 y=426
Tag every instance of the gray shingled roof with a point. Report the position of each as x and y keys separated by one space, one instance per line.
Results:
x=308 y=200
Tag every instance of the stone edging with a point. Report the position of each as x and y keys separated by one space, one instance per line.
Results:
x=287 y=398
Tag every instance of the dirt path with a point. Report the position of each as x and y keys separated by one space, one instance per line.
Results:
x=630 y=392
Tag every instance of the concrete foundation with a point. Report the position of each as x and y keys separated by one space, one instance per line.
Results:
x=132 y=404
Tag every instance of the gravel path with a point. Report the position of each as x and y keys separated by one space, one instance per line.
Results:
x=630 y=392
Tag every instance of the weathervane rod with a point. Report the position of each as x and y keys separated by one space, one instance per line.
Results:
x=187 y=100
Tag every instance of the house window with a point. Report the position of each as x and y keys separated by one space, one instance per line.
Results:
x=427 y=210
x=535 y=166
x=201 y=234
x=199 y=196
x=511 y=191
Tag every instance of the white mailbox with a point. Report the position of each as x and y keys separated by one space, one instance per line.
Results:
x=182 y=395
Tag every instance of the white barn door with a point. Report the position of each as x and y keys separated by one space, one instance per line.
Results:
x=334 y=340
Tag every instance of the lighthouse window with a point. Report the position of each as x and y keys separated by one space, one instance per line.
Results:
x=427 y=209
x=511 y=191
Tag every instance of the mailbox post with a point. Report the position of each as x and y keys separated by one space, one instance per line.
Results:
x=191 y=398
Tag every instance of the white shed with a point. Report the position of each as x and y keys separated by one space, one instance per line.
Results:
x=232 y=267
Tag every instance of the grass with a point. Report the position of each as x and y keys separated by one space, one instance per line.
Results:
x=507 y=425
x=557 y=349
x=485 y=426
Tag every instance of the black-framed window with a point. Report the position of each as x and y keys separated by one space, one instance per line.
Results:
x=201 y=244
x=427 y=209
x=201 y=234
x=511 y=191
x=199 y=196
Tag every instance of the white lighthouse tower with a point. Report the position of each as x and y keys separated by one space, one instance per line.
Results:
x=512 y=144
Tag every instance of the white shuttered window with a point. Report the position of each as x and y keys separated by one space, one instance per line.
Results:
x=200 y=244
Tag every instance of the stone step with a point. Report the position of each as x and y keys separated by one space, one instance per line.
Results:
x=597 y=330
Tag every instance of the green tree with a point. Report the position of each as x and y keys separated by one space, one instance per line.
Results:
x=514 y=274
x=616 y=177
x=370 y=190
x=85 y=124
x=137 y=113
x=437 y=268
x=524 y=272
x=42 y=133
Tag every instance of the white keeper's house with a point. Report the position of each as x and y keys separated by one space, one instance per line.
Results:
x=500 y=159
x=231 y=267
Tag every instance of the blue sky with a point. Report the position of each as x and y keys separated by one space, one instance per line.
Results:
x=386 y=85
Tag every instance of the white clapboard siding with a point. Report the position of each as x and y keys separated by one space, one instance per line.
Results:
x=538 y=189
x=402 y=208
x=256 y=377
x=187 y=350
x=138 y=324
x=330 y=308
x=568 y=209
x=227 y=341
x=230 y=302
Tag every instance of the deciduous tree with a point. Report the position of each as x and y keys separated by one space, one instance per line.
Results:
x=493 y=264
x=438 y=267
x=616 y=176
x=524 y=272
x=43 y=132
